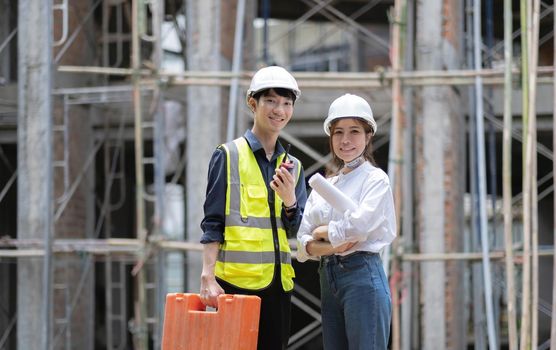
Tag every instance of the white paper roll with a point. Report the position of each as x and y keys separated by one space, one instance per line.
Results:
x=336 y=198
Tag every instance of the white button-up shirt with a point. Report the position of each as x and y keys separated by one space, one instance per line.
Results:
x=372 y=224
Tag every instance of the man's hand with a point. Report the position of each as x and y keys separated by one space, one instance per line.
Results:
x=283 y=184
x=210 y=290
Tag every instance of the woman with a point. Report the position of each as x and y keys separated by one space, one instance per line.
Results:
x=356 y=304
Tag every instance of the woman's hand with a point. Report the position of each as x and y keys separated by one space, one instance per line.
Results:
x=323 y=248
x=321 y=233
x=344 y=247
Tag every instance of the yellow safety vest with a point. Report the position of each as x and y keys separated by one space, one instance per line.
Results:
x=252 y=239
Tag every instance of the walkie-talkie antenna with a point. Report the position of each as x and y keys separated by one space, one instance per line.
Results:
x=287 y=153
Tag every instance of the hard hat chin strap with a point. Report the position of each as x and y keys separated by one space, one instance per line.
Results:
x=355 y=163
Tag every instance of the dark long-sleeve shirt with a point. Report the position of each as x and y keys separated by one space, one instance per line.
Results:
x=215 y=202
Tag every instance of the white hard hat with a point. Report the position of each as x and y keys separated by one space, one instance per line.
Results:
x=272 y=77
x=349 y=106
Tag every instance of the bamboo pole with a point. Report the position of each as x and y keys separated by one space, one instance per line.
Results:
x=533 y=52
x=526 y=279
x=507 y=177
x=129 y=247
x=491 y=76
x=408 y=328
x=497 y=255
x=140 y=334
x=395 y=162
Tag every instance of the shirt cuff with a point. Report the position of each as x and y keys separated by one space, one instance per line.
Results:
x=302 y=254
x=335 y=234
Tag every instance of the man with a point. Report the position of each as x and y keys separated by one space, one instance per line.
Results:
x=252 y=205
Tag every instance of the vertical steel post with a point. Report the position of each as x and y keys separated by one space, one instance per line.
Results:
x=479 y=118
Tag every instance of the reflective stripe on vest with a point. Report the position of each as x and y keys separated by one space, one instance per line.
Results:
x=246 y=258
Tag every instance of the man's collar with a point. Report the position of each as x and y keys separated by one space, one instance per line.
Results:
x=256 y=145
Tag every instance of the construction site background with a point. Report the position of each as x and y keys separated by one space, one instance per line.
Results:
x=111 y=109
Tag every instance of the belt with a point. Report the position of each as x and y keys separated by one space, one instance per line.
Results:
x=335 y=259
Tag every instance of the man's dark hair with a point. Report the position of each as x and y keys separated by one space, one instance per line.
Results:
x=280 y=91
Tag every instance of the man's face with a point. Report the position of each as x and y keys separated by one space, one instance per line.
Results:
x=272 y=111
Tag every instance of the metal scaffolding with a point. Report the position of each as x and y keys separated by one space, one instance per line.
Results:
x=139 y=85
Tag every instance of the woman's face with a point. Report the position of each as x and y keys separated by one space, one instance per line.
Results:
x=349 y=139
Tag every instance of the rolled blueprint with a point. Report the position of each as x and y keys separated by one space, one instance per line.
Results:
x=336 y=198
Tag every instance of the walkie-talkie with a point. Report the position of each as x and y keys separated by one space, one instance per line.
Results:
x=286 y=163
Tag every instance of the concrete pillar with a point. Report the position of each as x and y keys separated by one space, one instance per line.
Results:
x=34 y=183
x=205 y=108
x=440 y=175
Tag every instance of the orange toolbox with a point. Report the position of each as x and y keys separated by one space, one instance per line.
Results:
x=233 y=326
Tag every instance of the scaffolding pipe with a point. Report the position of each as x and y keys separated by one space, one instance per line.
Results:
x=533 y=34
x=101 y=247
x=482 y=176
x=158 y=113
x=8 y=185
x=67 y=43
x=492 y=76
x=507 y=178
x=492 y=175
x=329 y=32
x=382 y=44
x=408 y=328
x=493 y=255
x=526 y=279
x=477 y=287
x=140 y=335
x=236 y=67
x=7 y=41
x=541 y=149
x=266 y=15
x=301 y=20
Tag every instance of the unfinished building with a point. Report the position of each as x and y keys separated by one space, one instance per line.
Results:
x=111 y=109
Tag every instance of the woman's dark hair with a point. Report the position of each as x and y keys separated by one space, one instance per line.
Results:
x=336 y=164
x=280 y=91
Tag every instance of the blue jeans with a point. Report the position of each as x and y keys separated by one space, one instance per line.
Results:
x=356 y=305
